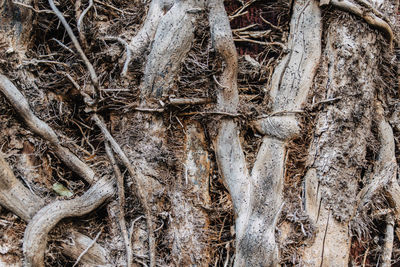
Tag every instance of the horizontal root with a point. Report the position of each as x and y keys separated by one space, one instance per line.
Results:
x=370 y=17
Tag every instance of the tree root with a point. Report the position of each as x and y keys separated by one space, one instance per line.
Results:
x=370 y=17
x=22 y=202
x=172 y=42
x=142 y=39
x=139 y=185
x=39 y=127
x=35 y=238
x=121 y=205
x=388 y=243
x=228 y=149
x=15 y=196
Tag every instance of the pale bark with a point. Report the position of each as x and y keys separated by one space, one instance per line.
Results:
x=340 y=140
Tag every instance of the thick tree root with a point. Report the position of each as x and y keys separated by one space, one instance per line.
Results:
x=171 y=44
x=228 y=149
x=331 y=183
x=15 y=196
x=35 y=238
x=142 y=39
x=22 y=202
x=190 y=227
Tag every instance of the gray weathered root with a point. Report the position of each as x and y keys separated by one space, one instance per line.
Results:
x=22 y=202
x=35 y=238
x=39 y=127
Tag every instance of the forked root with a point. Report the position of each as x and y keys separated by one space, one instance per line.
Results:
x=35 y=238
x=22 y=202
x=139 y=185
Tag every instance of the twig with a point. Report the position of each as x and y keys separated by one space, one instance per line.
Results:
x=87 y=249
x=121 y=204
x=388 y=246
x=241 y=39
x=32 y=8
x=271 y=25
x=79 y=24
x=63 y=45
x=365 y=257
x=189 y=101
x=113 y=7
x=128 y=53
x=234 y=115
x=117 y=149
x=156 y=110
x=89 y=66
x=238 y=12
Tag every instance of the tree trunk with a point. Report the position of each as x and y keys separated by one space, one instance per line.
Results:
x=155 y=134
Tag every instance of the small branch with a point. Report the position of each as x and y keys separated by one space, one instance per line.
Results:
x=388 y=243
x=87 y=249
x=271 y=25
x=189 y=101
x=232 y=115
x=239 y=12
x=241 y=39
x=141 y=193
x=32 y=8
x=121 y=204
x=89 y=66
x=156 y=110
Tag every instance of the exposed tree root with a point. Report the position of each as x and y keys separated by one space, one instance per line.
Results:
x=39 y=127
x=388 y=245
x=121 y=205
x=190 y=227
x=18 y=199
x=139 y=185
x=370 y=16
x=95 y=255
x=331 y=183
x=142 y=39
x=171 y=44
x=35 y=238
x=15 y=196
